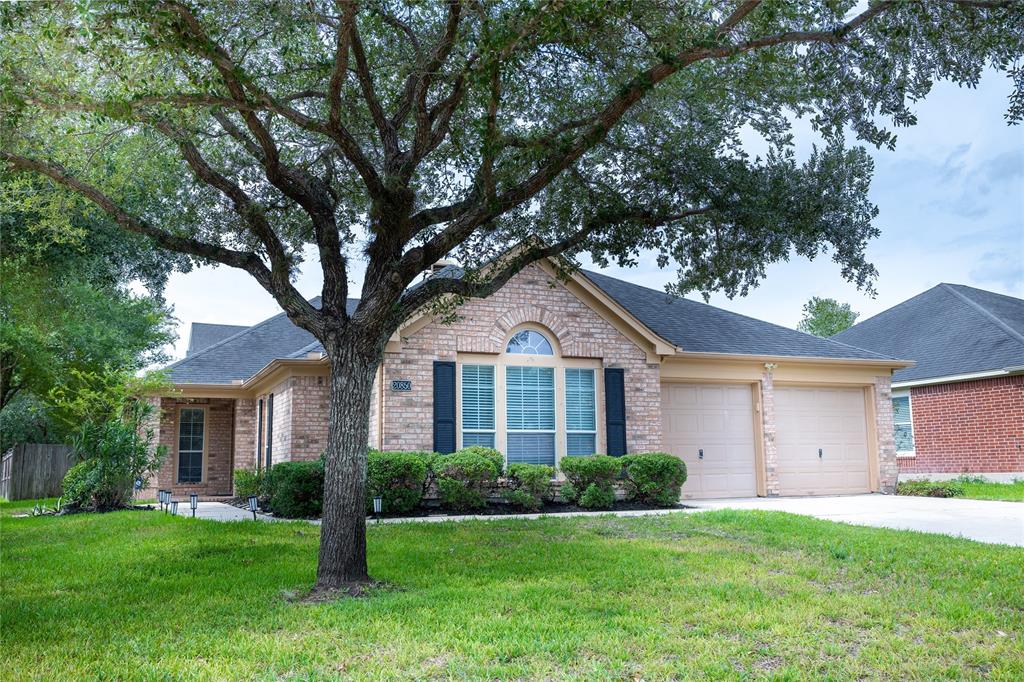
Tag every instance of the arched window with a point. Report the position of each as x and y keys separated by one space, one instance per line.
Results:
x=529 y=342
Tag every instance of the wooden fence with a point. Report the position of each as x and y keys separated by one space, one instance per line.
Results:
x=31 y=470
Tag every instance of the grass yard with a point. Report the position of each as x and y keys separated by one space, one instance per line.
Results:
x=140 y=595
x=1009 y=492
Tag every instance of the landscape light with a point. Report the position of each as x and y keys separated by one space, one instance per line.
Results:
x=174 y=508
x=252 y=506
x=193 y=501
x=378 y=504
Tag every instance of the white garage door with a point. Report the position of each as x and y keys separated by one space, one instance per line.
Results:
x=711 y=427
x=821 y=435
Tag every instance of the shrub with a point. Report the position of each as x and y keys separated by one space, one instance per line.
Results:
x=249 y=482
x=116 y=452
x=397 y=477
x=78 y=484
x=952 y=488
x=296 y=489
x=583 y=472
x=529 y=485
x=597 y=497
x=462 y=479
x=654 y=478
x=490 y=453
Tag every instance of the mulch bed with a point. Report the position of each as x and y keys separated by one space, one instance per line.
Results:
x=494 y=509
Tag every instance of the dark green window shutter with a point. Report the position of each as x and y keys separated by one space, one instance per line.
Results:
x=615 y=410
x=444 y=407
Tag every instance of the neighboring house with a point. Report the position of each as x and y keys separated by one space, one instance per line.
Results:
x=960 y=409
x=544 y=369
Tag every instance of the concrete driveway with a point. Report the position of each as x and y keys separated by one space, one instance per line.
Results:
x=981 y=520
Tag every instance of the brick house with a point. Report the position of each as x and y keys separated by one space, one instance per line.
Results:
x=960 y=408
x=543 y=369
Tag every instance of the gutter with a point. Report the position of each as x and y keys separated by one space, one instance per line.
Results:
x=955 y=378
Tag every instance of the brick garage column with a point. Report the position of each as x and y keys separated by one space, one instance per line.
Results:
x=887 y=465
x=771 y=452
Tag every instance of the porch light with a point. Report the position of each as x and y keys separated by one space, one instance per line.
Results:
x=174 y=508
x=252 y=506
x=193 y=502
x=378 y=504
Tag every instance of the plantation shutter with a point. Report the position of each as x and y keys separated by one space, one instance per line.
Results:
x=615 y=410
x=478 y=405
x=444 y=407
x=580 y=410
x=530 y=407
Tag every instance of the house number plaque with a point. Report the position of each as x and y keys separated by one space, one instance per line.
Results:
x=401 y=385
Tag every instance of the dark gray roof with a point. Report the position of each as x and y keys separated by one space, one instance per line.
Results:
x=242 y=355
x=203 y=335
x=699 y=327
x=950 y=329
x=690 y=325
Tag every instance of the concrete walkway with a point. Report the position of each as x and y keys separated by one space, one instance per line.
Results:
x=981 y=520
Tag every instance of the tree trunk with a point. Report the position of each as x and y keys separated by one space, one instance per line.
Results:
x=342 y=561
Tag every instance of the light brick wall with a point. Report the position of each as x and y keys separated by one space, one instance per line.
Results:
x=887 y=467
x=219 y=445
x=245 y=433
x=282 y=431
x=308 y=416
x=484 y=326
x=970 y=426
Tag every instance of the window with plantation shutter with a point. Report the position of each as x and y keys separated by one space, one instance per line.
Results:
x=478 y=405
x=530 y=408
x=580 y=412
x=902 y=425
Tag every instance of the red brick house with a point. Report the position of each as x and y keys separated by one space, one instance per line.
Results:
x=960 y=408
x=544 y=369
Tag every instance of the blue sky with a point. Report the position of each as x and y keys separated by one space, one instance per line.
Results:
x=951 y=209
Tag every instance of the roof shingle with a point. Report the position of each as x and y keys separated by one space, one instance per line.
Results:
x=950 y=329
x=699 y=327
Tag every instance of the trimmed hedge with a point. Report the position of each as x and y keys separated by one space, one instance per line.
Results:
x=924 y=488
x=490 y=453
x=529 y=485
x=654 y=478
x=463 y=478
x=296 y=489
x=249 y=482
x=594 y=471
x=398 y=478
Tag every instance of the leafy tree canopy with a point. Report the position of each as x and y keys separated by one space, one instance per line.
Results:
x=432 y=128
x=57 y=331
x=826 y=317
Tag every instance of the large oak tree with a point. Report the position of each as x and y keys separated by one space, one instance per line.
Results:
x=401 y=133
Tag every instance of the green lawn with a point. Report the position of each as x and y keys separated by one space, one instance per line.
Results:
x=140 y=595
x=1011 y=492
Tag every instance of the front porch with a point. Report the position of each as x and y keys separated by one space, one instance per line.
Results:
x=202 y=438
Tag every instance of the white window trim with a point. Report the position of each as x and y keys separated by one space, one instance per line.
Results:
x=592 y=432
x=910 y=408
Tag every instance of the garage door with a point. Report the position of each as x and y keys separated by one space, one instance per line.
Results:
x=821 y=436
x=711 y=427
